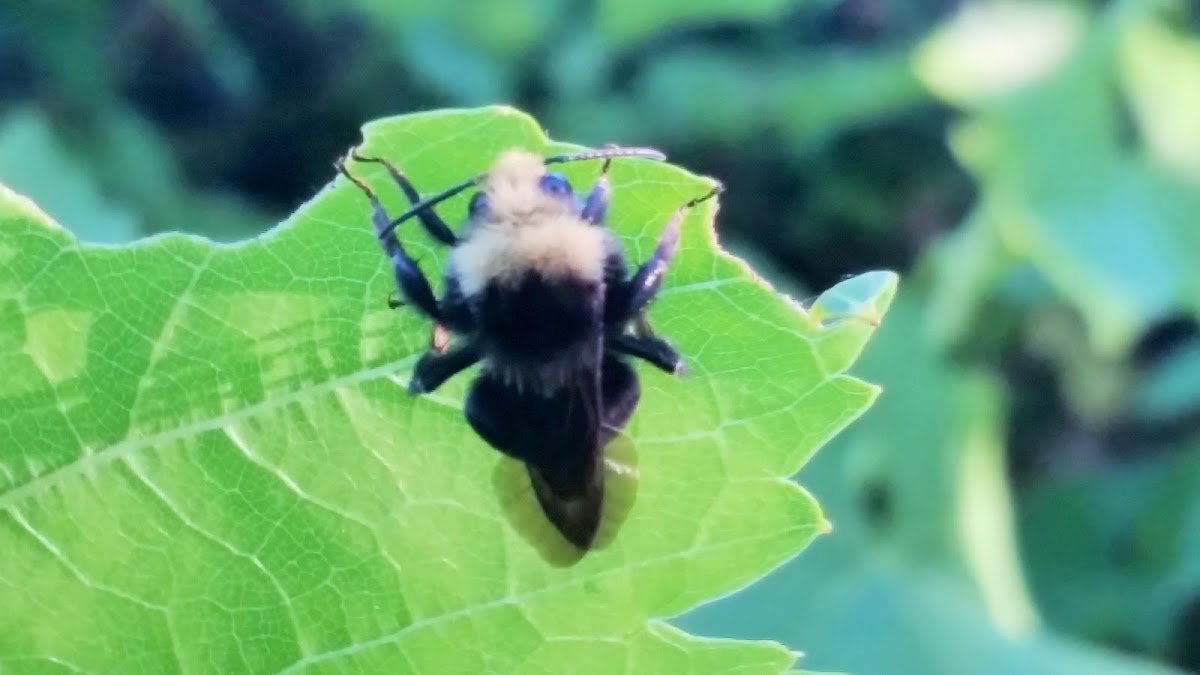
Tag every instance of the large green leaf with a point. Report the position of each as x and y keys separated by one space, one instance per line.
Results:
x=209 y=462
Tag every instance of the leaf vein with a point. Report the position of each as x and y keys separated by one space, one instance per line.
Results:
x=94 y=460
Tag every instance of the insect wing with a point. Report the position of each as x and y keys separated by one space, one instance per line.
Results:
x=565 y=467
x=523 y=510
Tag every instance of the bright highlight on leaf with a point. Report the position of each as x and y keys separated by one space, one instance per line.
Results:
x=210 y=463
x=994 y=48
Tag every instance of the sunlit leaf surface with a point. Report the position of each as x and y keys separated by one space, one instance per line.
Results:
x=209 y=464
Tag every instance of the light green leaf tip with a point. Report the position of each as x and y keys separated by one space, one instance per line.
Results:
x=865 y=297
x=209 y=462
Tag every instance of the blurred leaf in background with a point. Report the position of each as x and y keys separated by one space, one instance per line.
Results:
x=1065 y=192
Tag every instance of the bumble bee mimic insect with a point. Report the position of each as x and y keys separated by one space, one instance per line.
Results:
x=537 y=290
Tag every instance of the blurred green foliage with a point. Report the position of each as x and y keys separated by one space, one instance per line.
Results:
x=1023 y=499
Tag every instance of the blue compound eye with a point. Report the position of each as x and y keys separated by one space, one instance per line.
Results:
x=555 y=184
x=478 y=208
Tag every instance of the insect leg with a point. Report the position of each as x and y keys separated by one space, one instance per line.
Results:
x=457 y=314
x=644 y=285
x=595 y=206
x=652 y=349
x=409 y=278
x=429 y=219
x=435 y=368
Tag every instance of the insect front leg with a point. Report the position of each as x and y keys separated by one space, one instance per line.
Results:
x=429 y=219
x=409 y=279
x=595 y=206
x=636 y=294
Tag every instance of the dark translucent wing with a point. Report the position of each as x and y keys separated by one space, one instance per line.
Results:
x=569 y=480
x=582 y=485
x=525 y=514
x=566 y=471
x=558 y=437
x=576 y=515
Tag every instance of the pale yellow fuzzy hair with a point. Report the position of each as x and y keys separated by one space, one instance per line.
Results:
x=527 y=229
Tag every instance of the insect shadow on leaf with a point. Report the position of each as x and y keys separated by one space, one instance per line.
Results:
x=538 y=291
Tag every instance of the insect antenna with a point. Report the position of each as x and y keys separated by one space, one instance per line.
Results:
x=608 y=152
x=428 y=203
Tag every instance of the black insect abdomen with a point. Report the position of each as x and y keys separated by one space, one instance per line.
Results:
x=539 y=320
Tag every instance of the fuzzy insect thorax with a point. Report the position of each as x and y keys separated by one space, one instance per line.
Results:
x=524 y=228
x=532 y=269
